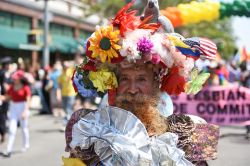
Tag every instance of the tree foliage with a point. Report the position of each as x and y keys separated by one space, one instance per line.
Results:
x=103 y=8
x=219 y=31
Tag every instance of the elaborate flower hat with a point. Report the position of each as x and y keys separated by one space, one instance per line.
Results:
x=130 y=38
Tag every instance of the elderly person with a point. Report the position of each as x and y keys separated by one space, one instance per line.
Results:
x=137 y=65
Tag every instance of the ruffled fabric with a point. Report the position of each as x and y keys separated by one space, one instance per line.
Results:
x=119 y=138
x=165 y=151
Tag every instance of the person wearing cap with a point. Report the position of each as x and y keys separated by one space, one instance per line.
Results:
x=19 y=96
x=139 y=66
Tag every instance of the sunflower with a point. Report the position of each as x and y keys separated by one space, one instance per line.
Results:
x=103 y=43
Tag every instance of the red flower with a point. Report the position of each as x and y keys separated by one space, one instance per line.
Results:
x=173 y=83
x=111 y=96
x=125 y=20
x=74 y=85
x=90 y=66
x=89 y=53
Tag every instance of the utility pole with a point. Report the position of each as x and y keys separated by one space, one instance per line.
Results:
x=46 y=35
x=47 y=18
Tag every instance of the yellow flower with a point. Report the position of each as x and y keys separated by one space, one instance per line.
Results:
x=103 y=79
x=103 y=43
x=72 y=162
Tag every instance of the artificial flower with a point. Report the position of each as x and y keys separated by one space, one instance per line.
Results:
x=79 y=86
x=155 y=59
x=162 y=49
x=111 y=96
x=129 y=50
x=104 y=43
x=126 y=21
x=72 y=162
x=129 y=44
x=144 y=45
x=186 y=66
x=173 y=83
x=89 y=66
x=103 y=79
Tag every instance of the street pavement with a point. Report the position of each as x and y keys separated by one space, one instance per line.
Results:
x=47 y=145
x=233 y=149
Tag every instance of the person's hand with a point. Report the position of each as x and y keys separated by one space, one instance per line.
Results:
x=25 y=114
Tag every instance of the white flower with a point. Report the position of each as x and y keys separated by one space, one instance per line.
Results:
x=129 y=50
x=129 y=44
x=162 y=49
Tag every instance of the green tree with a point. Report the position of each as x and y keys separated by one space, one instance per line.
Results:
x=103 y=8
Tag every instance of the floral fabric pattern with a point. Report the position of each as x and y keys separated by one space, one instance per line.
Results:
x=204 y=141
x=199 y=141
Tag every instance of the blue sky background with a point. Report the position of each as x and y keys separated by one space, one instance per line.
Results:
x=241 y=27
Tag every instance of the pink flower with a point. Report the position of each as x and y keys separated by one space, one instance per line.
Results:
x=144 y=45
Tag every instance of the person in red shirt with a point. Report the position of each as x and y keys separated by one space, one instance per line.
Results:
x=19 y=95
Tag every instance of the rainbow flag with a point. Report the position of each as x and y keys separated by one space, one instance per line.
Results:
x=242 y=55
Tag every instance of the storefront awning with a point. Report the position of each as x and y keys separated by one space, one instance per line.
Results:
x=12 y=37
x=15 y=38
x=63 y=44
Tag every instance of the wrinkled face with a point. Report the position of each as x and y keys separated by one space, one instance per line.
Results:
x=138 y=92
x=135 y=81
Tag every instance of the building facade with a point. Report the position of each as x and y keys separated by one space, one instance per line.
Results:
x=22 y=24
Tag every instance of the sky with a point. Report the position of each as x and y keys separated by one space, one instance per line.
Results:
x=241 y=27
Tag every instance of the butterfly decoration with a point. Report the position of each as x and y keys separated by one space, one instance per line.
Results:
x=197 y=80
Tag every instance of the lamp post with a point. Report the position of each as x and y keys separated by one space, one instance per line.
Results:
x=46 y=34
x=47 y=18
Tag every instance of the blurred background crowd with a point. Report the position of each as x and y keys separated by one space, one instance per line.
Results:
x=52 y=84
x=235 y=70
